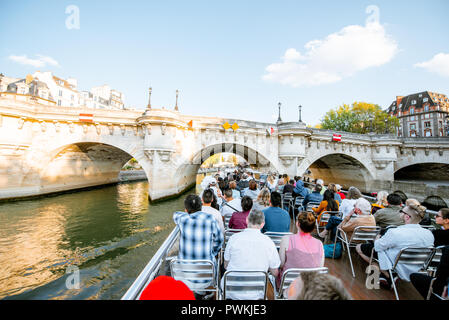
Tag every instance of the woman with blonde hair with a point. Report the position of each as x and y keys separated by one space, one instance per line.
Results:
x=263 y=200
x=381 y=202
x=271 y=182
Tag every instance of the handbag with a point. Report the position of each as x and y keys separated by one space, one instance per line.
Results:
x=329 y=250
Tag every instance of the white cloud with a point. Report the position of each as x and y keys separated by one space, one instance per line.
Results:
x=40 y=62
x=340 y=55
x=439 y=64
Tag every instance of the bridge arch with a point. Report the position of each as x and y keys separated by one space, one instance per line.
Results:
x=346 y=170
x=77 y=164
x=187 y=170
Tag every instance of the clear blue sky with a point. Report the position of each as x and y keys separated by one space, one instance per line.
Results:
x=217 y=52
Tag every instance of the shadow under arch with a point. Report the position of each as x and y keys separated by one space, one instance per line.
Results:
x=81 y=165
x=341 y=169
x=427 y=171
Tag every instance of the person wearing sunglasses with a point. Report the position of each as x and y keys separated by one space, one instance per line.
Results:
x=387 y=247
x=442 y=235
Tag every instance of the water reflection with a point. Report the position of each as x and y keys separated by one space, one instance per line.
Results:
x=109 y=233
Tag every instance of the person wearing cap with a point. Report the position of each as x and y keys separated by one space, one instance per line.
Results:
x=342 y=195
x=321 y=183
x=387 y=247
x=362 y=208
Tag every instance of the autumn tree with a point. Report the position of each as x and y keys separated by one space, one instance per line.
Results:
x=360 y=117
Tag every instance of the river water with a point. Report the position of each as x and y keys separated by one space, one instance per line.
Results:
x=109 y=233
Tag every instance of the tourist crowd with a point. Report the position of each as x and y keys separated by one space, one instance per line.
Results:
x=238 y=201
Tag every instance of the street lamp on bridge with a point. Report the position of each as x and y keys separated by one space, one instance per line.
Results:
x=300 y=107
x=279 y=118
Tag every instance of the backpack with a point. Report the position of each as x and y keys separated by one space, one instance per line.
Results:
x=329 y=250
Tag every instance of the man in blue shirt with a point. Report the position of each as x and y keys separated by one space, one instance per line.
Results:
x=276 y=219
x=315 y=196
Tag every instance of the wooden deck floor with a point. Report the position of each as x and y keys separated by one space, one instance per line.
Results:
x=356 y=286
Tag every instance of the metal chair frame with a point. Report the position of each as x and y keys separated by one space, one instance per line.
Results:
x=188 y=271
x=360 y=233
x=432 y=264
x=228 y=233
x=290 y=275
x=246 y=280
x=276 y=237
x=325 y=216
x=411 y=255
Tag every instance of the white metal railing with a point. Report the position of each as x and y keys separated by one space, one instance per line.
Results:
x=152 y=268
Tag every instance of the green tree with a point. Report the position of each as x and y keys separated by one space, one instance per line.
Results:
x=360 y=117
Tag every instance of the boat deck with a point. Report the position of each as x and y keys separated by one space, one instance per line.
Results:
x=356 y=286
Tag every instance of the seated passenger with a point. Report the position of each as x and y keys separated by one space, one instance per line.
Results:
x=321 y=183
x=301 y=250
x=230 y=205
x=333 y=187
x=422 y=281
x=251 y=250
x=342 y=195
x=315 y=196
x=442 y=235
x=276 y=219
x=288 y=188
x=387 y=247
x=263 y=200
x=347 y=204
x=390 y=216
x=238 y=219
x=235 y=192
x=381 y=201
x=328 y=204
x=208 y=196
x=200 y=236
x=299 y=189
x=252 y=190
x=280 y=186
x=166 y=288
x=317 y=286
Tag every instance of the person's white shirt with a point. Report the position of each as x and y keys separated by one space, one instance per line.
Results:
x=250 y=250
x=216 y=214
x=390 y=244
x=347 y=205
x=234 y=203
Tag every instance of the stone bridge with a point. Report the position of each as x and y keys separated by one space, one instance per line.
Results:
x=46 y=149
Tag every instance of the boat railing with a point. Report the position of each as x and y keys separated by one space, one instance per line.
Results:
x=153 y=267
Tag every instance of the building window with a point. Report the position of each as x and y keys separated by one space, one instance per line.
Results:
x=425 y=99
x=60 y=93
x=426 y=108
x=412 y=110
x=427 y=124
x=59 y=102
x=413 y=101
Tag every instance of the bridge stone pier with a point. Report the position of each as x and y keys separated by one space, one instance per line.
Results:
x=46 y=149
